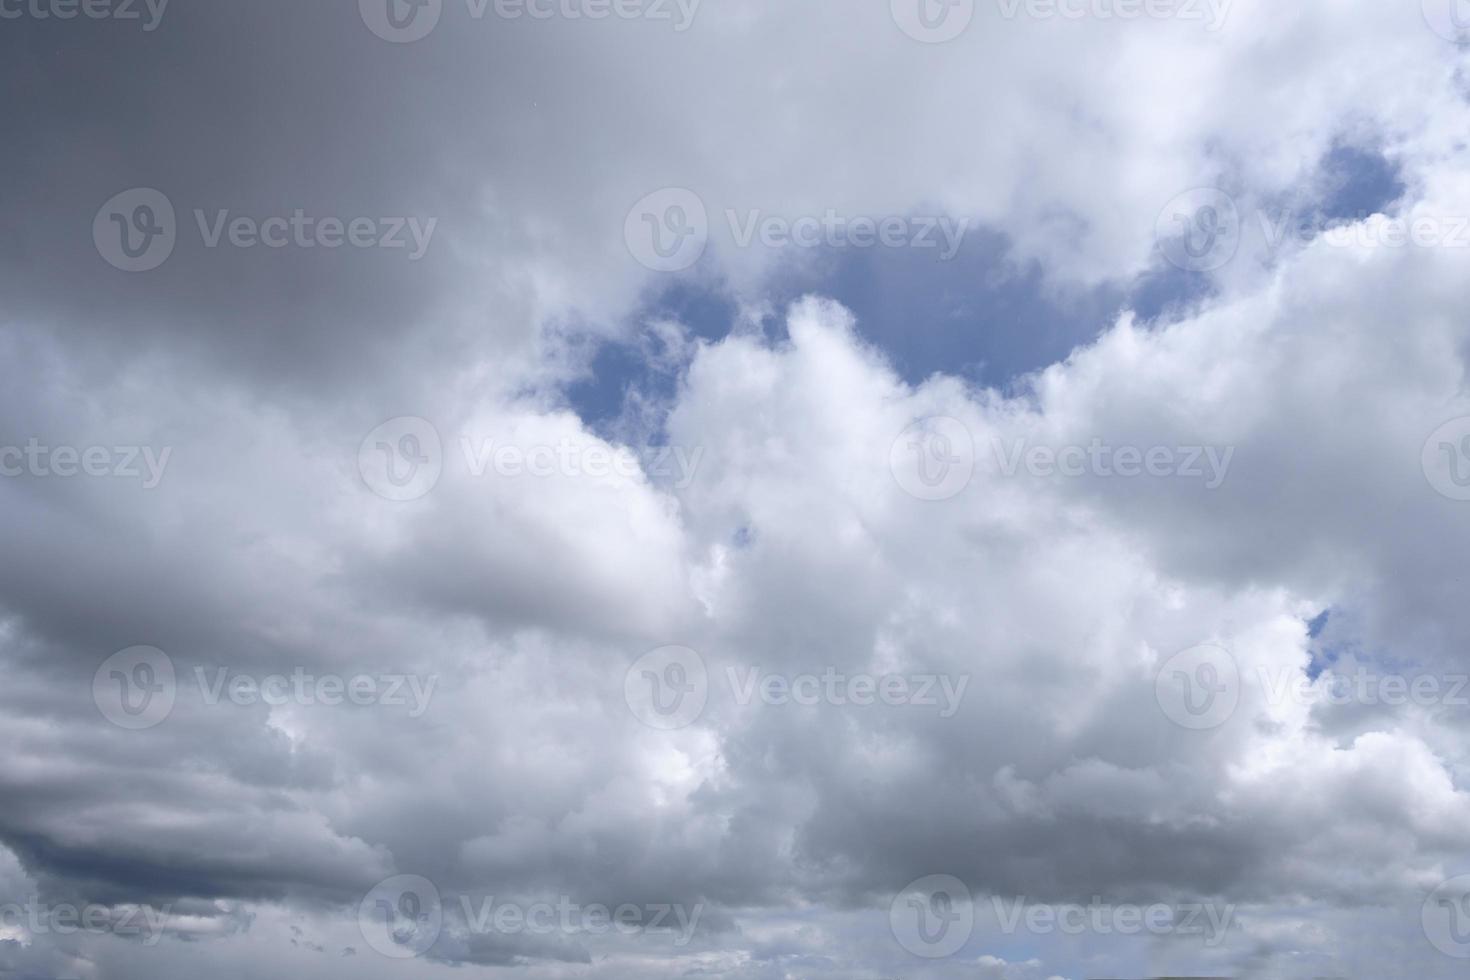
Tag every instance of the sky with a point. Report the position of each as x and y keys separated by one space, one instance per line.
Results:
x=833 y=489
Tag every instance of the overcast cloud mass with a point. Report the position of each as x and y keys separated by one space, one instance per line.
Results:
x=759 y=490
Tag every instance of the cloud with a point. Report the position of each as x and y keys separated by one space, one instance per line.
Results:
x=764 y=510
